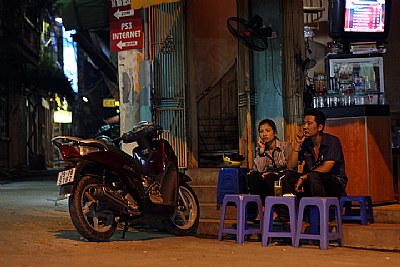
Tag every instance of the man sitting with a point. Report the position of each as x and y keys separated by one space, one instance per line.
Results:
x=324 y=169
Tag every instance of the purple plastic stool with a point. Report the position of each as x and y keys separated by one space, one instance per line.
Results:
x=366 y=214
x=241 y=201
x=267 y=229
x=231 y=181
x=323 y=235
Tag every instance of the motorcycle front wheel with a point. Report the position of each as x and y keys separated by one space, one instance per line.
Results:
x=185 y=219
x=90 y=217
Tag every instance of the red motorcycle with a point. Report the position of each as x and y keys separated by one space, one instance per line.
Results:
x=105 y=186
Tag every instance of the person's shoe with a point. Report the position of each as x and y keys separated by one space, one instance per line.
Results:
x=278 y=222
x=282 y=214
x=254 y=220
x=284 y=217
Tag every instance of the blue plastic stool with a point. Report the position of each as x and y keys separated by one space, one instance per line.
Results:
x=231 y=181
x=241 y=201
x=366 y=213
x=322 y=234
x=267 y=229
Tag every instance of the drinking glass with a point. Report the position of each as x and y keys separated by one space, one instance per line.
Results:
x=277 y=188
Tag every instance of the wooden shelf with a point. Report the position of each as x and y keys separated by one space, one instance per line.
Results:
x=313 y=9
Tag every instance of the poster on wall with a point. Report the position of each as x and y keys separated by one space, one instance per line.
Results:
x=129 y=91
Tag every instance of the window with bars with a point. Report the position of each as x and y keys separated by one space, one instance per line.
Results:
x=168 y=57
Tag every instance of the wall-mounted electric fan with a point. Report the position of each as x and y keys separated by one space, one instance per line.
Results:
x=253 y=33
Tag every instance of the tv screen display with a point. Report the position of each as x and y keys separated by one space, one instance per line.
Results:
x=359 y=20
x=364 y=16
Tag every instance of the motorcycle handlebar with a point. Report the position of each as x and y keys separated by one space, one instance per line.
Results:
x=117 y=140
x=136 y=134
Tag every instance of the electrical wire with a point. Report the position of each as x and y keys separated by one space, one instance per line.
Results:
x=294 y=94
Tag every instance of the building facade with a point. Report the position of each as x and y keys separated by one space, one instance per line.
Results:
x=31 y=73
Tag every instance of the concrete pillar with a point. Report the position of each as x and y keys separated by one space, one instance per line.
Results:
x=144 y=80
x=129 y=63
x=293 y=79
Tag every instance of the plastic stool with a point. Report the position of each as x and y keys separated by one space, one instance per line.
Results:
x=267 y=229
x=366 y=214
x=231 y=181
x=241 y=201
x=323 y=235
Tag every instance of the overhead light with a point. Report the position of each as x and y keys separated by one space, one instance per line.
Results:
x=59 y=20
x=85 y=99
x=63 y=116
x=308 y=32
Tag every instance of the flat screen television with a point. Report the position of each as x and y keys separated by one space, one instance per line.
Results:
x=359 y=20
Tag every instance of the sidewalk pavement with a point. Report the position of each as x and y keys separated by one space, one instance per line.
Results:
x=28 y=175
x=36 y=232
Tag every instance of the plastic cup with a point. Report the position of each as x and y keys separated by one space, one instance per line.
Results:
x=277 y=188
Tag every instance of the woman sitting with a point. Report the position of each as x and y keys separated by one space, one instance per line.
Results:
x=270 y=163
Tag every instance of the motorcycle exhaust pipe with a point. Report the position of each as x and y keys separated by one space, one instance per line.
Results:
x=112 y=202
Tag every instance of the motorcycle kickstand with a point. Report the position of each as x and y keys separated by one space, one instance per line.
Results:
x=126 y=226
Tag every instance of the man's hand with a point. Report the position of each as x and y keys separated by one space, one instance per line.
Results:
x=299 y=185
x=265 y=174
x=300 y=137
x=294 y=156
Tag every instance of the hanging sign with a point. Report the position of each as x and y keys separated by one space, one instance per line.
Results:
x=126 y=27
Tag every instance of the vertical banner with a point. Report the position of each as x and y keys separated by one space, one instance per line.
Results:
x=129 y=90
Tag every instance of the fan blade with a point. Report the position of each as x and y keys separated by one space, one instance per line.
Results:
x=253 y=37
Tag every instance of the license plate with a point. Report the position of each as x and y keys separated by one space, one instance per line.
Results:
x=65 y=177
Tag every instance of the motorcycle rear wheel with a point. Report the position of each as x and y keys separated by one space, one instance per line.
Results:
x=90 y=217
x=185 y=219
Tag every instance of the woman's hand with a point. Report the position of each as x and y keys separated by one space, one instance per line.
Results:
x=261 y=144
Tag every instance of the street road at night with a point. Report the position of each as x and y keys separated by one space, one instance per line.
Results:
x=36 y=232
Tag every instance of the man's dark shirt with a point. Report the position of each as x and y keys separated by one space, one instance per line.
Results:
x=330 y=149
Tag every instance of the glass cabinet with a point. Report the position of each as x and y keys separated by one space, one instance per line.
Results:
x=355 y=80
